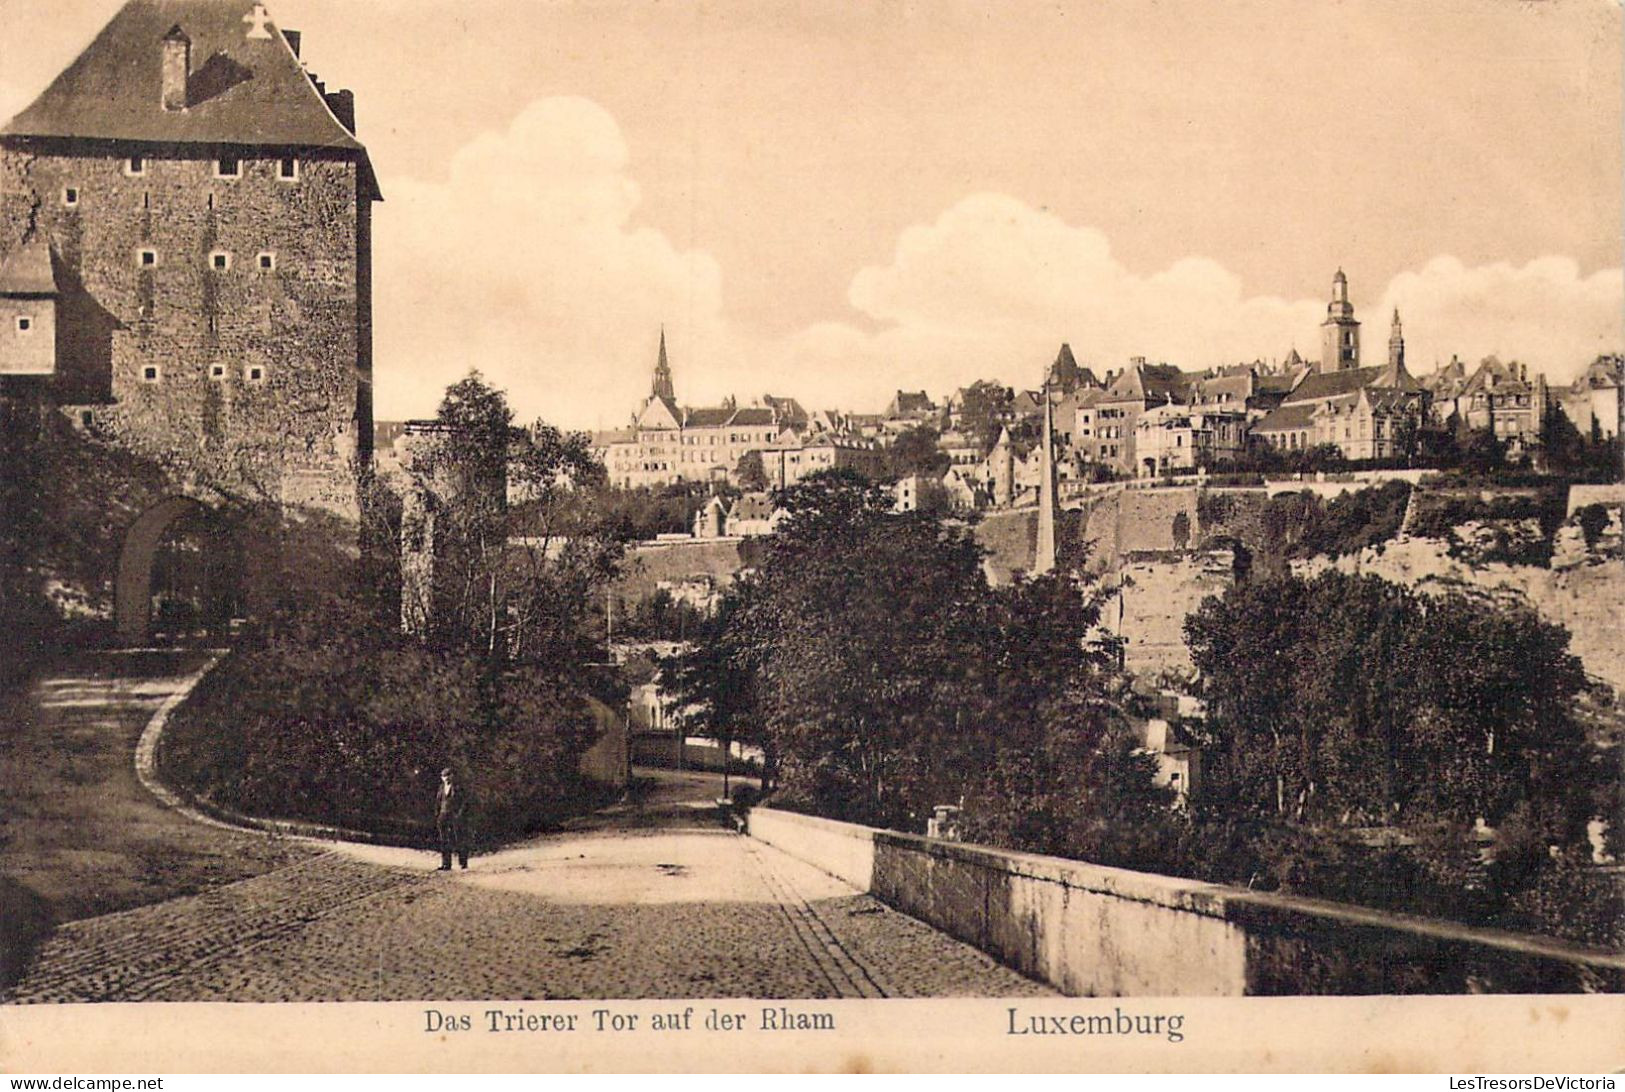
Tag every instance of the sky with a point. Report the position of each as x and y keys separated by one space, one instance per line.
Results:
x=838 y=200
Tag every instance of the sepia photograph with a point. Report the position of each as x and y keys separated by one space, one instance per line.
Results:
x=795 y=535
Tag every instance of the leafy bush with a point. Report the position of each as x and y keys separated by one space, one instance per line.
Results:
x=352 y=730
x=1440 y=517
x=1302 y=525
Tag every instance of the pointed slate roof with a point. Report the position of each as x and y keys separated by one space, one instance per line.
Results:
x=1162 y=382
x=1319 y=385
x=1504 y=376
x=27 y=272
x=1065 y=373
x=246 y=87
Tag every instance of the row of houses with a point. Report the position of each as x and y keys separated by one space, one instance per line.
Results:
x=1145 y=419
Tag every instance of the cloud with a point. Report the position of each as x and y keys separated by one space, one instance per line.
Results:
x=526 y=263
x=529 y=264
x=1544 y=313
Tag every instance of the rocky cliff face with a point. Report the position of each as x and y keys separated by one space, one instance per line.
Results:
x=1584 y=590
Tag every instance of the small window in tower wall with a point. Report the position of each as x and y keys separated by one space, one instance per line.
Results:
x=267 y=261
x=25 y=324
x=146 y=258
x=135 y=166
x=217 y=371
x=150 y=373
x=220 y=260
x=288 y=169
x=70 y=196
x=254 y=373
x=228 y=167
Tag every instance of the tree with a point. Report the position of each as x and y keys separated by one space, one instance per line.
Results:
x=751 y=473
x=882 y=668
x=514 y=581
x=1482 y=451
x=982 y=411
x=915 y=451
x=1349 y=699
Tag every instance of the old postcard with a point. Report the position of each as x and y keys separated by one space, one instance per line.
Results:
x=811 y=536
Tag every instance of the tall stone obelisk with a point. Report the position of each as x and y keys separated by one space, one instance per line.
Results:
x=1044 y=556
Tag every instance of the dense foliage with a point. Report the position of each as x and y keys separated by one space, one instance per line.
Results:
x=646 y=512
x=885 y=677
x=1352 y=700
x=1290 y=526
x=331 y=720
x=328 y=713
x=915 y=451
x=1343 y=703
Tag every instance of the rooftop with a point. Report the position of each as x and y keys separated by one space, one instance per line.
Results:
x=245 y=87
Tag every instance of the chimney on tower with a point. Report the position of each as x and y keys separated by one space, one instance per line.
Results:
x=177 y=67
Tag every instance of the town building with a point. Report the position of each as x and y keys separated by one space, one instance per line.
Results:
x=1592 y=402
x=668 y=443
x=1501 y=398
x=912 y=407
x=186 y=245
x=793 y=456
x=1366 y=413
x=1138 y=388
x=747 y=516
x=1175 y=437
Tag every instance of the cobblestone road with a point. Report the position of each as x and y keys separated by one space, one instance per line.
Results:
x=645 y=900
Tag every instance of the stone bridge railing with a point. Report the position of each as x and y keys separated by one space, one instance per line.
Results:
x=1095 y=931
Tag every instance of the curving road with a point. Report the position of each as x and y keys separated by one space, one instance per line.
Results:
x=650 y=898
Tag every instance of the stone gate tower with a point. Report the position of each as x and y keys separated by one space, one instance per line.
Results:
x=195 y=212
x=186 y=276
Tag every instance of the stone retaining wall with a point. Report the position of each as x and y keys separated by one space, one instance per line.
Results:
x=1089 y=930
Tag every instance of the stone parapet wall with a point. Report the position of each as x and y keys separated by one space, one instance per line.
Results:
x=844 y=850
x=1089 y=930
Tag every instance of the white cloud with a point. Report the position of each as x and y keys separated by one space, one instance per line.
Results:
x=1544 y=313
x=528 y=263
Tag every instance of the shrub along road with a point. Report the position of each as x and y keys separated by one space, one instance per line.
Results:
x=650 y=898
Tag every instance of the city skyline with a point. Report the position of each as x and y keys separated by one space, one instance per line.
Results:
x=837 y=204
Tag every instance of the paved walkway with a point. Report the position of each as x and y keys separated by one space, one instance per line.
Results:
x=648 y=899
x=77 y=828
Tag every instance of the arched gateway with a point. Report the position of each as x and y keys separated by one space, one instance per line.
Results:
x=176 y=572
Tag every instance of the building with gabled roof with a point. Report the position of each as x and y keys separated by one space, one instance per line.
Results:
x=1131 y=392
x=669 y=443
x=911 y=406
x=1367 y=413
x=204 y=209
x=1592 y=401
x=1500 y=397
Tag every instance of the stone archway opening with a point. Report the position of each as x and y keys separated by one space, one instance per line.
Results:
x=178 y=579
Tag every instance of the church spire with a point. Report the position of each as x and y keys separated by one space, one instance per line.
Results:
x=662 y=386
x=1396 y=344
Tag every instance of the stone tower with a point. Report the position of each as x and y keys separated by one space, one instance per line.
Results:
x=662 y=387
x=209 y=227
x=1396 y=345
x=1340 y=333
x=200 y=211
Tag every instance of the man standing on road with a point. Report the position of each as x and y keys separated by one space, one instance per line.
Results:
x=451 y=819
